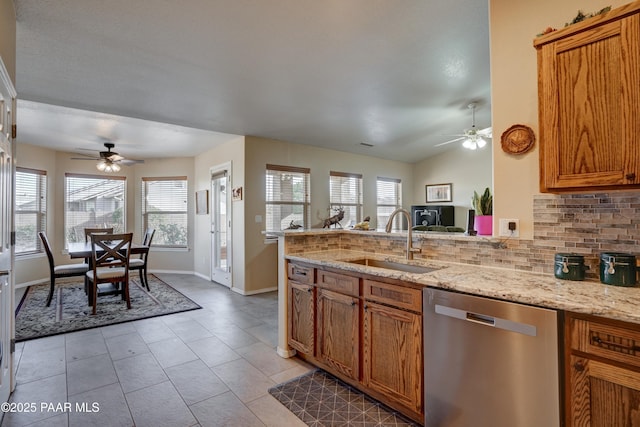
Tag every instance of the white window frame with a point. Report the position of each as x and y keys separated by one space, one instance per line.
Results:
x=78 y=235
x=286 y=199
x=388 y=199
x=39 y=208
x=350 y=200
x=158 y=240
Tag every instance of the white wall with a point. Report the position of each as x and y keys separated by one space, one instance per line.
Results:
x=514 y=94
x=8 y=37
x=231 y=151
x=466 y=170
x=261 y=257
x=36 y=268
x=56 y=164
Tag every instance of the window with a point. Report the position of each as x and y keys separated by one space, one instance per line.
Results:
x=286 y=197
x=345 y=192
x=93 y=202
x=164 y=207
x=30 y=210
x=389 y=198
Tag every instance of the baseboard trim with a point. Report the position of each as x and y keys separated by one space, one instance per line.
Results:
x=256 y=292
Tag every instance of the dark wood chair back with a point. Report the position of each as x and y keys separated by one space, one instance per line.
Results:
x=110 y=255
x=47 y=248
x=110 y=250
x=140 y=264
x=89 y=231
x=66 y=270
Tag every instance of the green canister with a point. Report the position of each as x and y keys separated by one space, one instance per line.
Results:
x=569 y=267
x=618 y=268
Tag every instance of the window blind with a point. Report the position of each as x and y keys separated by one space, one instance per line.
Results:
x=164 y=207
x=30 y=209
x=93 y=201
x=389 y=198
x=345 y=192
x=287 y=197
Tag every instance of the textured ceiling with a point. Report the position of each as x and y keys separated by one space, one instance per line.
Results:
x=395 y=74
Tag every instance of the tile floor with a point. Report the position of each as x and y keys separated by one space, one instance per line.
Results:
x=208 y=367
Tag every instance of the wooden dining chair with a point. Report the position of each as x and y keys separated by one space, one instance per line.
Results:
x=140 y=263
x=89 y=231
x=110 y=255
x=56 y=271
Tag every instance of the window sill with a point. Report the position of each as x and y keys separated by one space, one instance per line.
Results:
x=30 y=256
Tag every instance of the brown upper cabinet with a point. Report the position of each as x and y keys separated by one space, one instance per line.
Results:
x=589 y=103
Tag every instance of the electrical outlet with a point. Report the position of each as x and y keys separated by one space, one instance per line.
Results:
x=509 y=228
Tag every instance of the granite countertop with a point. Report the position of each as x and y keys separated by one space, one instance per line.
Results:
x=614 y=302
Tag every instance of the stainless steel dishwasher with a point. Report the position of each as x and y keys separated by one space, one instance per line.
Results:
x=489 y=362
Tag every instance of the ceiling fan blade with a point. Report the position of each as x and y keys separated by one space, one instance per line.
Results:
x=114 y=157
x=85 y=158
x=129 y=162
x=449 y=142
x=486 y=132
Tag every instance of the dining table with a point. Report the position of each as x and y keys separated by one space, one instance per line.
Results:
x=83 y=250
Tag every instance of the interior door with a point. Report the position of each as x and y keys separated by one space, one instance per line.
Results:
x=221 y=225
x=7 y=329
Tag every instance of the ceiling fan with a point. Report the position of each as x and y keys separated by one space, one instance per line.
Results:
x=108 y=161
x=473 y=138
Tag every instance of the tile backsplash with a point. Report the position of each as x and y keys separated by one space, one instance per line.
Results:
x=586 y=224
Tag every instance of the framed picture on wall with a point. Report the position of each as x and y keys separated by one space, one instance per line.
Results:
x=438 y=193
x=202 y=202
x=236 y=194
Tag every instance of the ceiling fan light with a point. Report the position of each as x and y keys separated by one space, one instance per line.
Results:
x=115 y=167
x=101 y=165
x=481 y=142
x=469 y=144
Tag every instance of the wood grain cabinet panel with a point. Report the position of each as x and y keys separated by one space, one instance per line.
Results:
x=301 y=317
x=392 y=354
x=604 y=395
x=338 y=332
x=602 y=372
x=342 y=283
x=589 y=104
x=301 y=273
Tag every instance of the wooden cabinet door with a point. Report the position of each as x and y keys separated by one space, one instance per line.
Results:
x=603 y=395
x=338 y=332
x=392 y=353
x=301 y=315
x=589 y=106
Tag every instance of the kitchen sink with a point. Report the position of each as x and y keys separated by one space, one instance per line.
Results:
x=392 y=265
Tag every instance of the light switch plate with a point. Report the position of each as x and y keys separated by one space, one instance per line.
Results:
x=504 y=228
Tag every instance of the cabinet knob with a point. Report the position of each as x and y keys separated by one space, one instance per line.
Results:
x=630 y=176
x=578 y=366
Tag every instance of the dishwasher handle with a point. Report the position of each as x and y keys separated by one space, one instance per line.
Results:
x=486 y=320
x=481 y=318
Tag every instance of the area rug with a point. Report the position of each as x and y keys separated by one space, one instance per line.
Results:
x=69 y=310
x=321 y=400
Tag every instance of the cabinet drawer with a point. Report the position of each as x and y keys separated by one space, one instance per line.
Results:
x=610 y=341
x=300 y=273
x=344 y=284
x=395 y=295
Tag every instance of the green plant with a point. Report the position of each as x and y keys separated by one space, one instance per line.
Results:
x=483 y=204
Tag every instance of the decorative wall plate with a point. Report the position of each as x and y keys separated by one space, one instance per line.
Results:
x=518 y=139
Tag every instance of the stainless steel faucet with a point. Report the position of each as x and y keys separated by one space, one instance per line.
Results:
x=410 y=248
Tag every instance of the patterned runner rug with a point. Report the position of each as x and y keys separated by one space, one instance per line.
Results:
x=321 y=400
x=69 y=310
